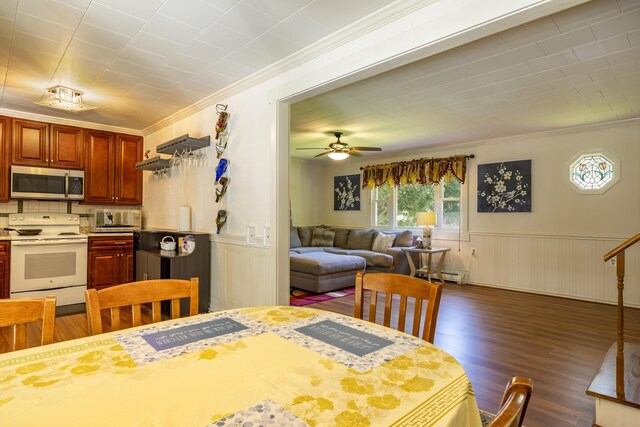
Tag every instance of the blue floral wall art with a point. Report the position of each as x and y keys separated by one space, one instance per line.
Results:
x=346 y=193
x=504 y=187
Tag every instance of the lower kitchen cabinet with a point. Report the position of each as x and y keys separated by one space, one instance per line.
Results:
x=110 y=261
x=4 y=269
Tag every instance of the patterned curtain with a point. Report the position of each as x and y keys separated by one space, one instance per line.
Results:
x=418 y=171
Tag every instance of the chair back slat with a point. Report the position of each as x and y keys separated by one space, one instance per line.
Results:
x=402 y=313
x=404 y=286
x=16 y=313
x=136 y=314
x=373 y=306
x=514 y=403
x=175 y=308
x=135 y=294
x=115 y=318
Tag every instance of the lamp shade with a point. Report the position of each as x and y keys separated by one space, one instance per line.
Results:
x=338 y=155
x=426 y=218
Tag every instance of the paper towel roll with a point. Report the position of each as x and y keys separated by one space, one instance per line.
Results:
x=184 y=218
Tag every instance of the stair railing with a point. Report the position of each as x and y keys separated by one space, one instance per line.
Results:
x=618 y=252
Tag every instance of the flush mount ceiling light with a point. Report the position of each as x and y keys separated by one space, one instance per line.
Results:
x=64 y=98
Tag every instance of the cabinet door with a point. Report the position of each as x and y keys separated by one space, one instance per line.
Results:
x=5 y=152
x=104 y=269
x=4 y=277
x=67 y=147
x=127 y=267
x=99 y=168
x=30 y=145
x=128 y=179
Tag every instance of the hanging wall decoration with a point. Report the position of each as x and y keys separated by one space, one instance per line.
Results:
x=221 y=220
x=504 y=187
x=346 y=193
x=221 y=188
x=221 y=169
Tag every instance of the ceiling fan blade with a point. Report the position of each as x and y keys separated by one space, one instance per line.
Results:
x=366 y=148
x=311 y=148
x=355 y=154
x=322 y=154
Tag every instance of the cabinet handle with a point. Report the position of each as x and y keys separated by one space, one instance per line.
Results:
x=120 y=243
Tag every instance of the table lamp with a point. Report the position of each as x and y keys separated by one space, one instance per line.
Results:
x=426 y=220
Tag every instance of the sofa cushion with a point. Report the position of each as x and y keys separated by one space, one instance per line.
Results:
x=319 y=263
x=322 y=237
x=382 y=242
x=374 y=259
x=306 y=249
x=403 y=239
x=341 y=238
x=360 y=239
x=305 y=235
x=294 y=239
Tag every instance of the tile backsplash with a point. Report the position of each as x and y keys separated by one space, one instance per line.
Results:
x=48 y=206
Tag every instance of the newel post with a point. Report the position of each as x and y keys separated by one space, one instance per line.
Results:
x=620 y=352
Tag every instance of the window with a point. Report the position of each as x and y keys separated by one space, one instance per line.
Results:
x=594 y=173
x=396 y=207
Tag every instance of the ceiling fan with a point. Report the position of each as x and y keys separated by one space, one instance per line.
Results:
x=340 y=150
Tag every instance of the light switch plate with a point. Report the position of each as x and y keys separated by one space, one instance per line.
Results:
x=251 y=235
x=266 y=235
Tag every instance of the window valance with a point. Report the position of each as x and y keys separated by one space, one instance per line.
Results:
x=417 y=171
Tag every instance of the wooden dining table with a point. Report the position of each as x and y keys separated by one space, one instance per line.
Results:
x=279 y=366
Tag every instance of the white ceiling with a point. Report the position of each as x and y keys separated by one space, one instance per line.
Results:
x=140 y=61
x=577 y=67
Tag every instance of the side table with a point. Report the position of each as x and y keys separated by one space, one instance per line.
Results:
x=424 y=269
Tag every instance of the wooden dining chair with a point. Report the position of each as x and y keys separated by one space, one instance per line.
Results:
x=134 y=294
x=424 y=293
x=18 y=312
x=514 y=403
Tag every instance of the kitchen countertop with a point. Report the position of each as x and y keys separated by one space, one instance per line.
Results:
x=116 y=234
x=4 y=236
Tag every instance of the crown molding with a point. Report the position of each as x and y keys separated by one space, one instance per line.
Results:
x=68 y=122
x=359 y=28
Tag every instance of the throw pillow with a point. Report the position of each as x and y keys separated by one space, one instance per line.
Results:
x=294 y=239
x=382 y=242
x=305 y=235
x=323 y=237
x=403 y=239
x=360 y=239
x=341 y=238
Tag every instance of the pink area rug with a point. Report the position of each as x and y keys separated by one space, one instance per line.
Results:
x=300 y=298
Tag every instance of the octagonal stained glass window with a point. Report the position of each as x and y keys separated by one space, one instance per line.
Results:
x=594 y=172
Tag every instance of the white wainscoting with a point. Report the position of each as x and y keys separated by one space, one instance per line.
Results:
x=567 y=266
x=240 y=274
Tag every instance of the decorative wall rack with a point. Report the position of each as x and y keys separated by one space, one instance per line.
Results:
x=176 y=147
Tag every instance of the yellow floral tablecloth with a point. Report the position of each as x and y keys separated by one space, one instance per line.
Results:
x=279 y=366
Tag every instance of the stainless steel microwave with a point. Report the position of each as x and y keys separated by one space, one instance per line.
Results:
x=46 y=183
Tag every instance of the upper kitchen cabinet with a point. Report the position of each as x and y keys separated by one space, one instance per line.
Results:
x=110 y=173
x=5 y=150
x=46 y=145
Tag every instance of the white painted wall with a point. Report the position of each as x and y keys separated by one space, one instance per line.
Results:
x=306 y=179
x=258 y=148
x=558 y=247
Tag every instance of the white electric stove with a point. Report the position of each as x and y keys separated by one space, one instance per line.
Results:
x=51 y=262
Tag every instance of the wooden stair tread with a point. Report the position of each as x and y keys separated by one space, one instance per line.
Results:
x=603 y=385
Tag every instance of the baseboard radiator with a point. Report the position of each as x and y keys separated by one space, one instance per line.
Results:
x=454 y=275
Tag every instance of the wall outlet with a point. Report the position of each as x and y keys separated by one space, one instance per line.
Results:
x=473 y=251
x=251 y=235
x=613 y=262
x=266 y=235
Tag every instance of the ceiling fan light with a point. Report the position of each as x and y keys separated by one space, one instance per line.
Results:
x=337 y=155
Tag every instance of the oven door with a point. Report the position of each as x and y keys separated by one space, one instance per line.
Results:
x=40 y=267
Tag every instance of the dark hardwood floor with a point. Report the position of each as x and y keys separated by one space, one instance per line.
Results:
x=496 y=334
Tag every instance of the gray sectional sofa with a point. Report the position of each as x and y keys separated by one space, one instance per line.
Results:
x=323 y=259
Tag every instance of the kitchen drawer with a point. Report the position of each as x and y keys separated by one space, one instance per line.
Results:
x=100 y=243
x=5 y=247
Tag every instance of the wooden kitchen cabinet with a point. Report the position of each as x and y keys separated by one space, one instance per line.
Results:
x=111 y=176
x=46 y=145
x=110 y=261
x=5 y=152
x=4 y=268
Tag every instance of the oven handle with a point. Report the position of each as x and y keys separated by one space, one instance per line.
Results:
x=50 y=242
